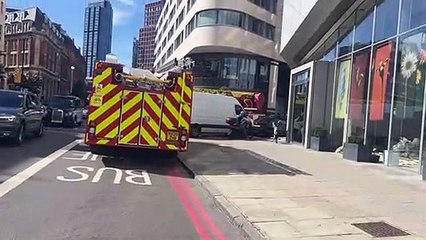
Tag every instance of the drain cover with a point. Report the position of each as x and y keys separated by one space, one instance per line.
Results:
x=380 y=229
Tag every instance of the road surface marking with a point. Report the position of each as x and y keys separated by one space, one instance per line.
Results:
x=94 y=157
x=200 y=209
x=81 y=156
x=83 y=176
x=199 y=226
x=21 y=177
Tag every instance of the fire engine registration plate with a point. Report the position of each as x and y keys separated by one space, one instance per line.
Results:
x=172 y=136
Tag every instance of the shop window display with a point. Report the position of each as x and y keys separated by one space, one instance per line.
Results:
x=342 y=85
x=380 y=96
x=408 y=98
x=358 y=94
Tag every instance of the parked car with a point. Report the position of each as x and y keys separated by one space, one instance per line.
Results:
x=262 y=127
x=209 y=113
x=64 y=111
x=20 y=114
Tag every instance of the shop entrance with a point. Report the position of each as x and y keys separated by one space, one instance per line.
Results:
x=298 y=106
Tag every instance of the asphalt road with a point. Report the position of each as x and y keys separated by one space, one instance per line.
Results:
x=51 y=192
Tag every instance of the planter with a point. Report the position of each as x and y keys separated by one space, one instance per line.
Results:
x=391 y=158
x=319 y=143
x=358 y=152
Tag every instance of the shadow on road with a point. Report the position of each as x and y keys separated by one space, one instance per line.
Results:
x=210 y=159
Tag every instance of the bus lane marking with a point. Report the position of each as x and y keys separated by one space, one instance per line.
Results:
x=83 y=173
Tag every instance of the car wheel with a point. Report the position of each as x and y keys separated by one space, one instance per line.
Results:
x=19 y=139
x=40 y=130
x=74 y=122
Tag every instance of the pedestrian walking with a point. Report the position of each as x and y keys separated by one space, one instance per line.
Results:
x=275 y=126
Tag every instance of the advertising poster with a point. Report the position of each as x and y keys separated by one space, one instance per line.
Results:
x=381 y=78
x=343 y=89
x=358 y=86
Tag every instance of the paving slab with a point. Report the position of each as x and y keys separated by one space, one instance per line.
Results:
x=287 y=192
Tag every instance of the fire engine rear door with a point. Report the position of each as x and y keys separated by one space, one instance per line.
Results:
x=151 y=119
x=130 y=120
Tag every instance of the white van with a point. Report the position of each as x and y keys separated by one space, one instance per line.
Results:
x=209 y=113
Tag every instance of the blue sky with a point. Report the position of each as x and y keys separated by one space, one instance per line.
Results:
x=128 y=18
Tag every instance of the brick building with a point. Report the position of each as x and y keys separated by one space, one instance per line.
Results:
x=40 y=47
x=147 y=34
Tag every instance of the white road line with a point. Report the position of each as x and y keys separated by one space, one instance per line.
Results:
x=21 y=177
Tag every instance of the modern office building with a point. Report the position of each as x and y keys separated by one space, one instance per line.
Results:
x=40 y=50
x=147 y=34
x=359 y=71
x=235 y=46
x=135 y=52
x=97 y=38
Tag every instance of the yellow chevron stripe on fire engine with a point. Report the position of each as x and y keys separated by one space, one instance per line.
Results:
x=129 y=137
x=137 y=100
x=104 y=124
x=102 y=142
x=156 y=109
x=108 y=104
x=152 y=124
x=113 y=133
x=171 y=108
x=187 y=109
x=99 y=78
x=171 y=147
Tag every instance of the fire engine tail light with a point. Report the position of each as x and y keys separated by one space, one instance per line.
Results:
x=183 y=140
x=92 y=130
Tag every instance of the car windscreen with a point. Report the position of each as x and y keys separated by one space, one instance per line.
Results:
x=11 y=100
x=60 y=102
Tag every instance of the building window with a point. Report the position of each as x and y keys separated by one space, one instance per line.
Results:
x=230 y=18
x=363 y=30
x=230 y=68
x=234 y=18
x=263 y=72
x=386 y=20
x=269 y=5
x=206 y=18
x=413 y=14
x=346 y=35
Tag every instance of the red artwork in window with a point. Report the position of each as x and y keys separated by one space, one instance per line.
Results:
x=381 y=78
x=359 y=78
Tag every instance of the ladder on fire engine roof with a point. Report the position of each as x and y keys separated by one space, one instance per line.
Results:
x=141 y=75
x=136 y=75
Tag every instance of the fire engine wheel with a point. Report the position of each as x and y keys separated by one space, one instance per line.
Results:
x=195 y=131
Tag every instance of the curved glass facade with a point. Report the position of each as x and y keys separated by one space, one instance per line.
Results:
x=234 y=72
x=224 y=17
x=379 y=78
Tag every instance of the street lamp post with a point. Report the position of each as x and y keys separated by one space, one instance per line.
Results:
x=22 y=60
x=72 y=79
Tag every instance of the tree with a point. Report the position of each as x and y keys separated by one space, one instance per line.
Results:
x=79 y=89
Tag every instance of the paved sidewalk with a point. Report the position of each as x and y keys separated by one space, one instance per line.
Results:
x=309 y=195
